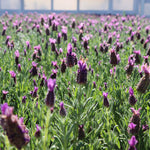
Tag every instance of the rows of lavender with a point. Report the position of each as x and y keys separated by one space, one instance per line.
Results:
x=74 y=82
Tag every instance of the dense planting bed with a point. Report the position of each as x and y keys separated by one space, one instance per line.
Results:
x=78 y=81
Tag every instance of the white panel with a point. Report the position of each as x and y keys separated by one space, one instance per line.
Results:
x=37 y=4
x=123 y=4
x=10 y=4
x=65 y=4
x=147 y=9
x=94 y=4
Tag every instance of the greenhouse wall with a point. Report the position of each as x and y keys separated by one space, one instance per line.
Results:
x=139 y=7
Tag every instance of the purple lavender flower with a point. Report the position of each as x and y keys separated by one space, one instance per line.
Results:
x=136 y=120
x=132 y=142
x=82 y=72
x=132 y=128
x=114 y=58
x=13 y=75
x=53 y=46
x=19 y=67
x=43 y=80
x=7 y=39
x=55 y=25
x=47 y=31
x=132 y=99
x=63 y=66
x=38 y=131
x=105 y=84
x=74 y=41
x=54 y=63
x=145 y=80
x=13 y=126
x=146 y=59
x=73 y=23
x=70 y=56
x=62 y=110
x=34 y=70
x=34 y=93
x=129 y=67
x=4 y=31
x=54 y=74
x=145 y=127
x=4 y=94
x=25 y=52
x=94 y=84
x=59 y=38
x=81 y=133
x=6 y=110
x=24 y=99
x=50 y=98
x=28 y=45
x=60 y=50
x=105 y=101
x=85 y=42
x=64 y=33
x=34 y=82
x=137 y=56
x=17 y=57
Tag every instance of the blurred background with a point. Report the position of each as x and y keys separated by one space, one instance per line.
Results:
x=141 y=7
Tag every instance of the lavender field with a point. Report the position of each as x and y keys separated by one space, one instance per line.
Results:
x=74 y=82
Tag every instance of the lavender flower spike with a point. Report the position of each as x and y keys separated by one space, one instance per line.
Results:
x=6 y=110
x=132 y=99
x=62 y=110
x=70 y=59
x=38 y=131
x=82 y=72
x=105 y=101
x=51 y=84
x=50 y=98
x=132 y=142
x=13 y=126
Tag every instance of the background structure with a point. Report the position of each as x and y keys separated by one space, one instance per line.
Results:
x=139 y=7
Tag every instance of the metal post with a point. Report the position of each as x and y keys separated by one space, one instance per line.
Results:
x=142 y=7
x=52 y=5
x=136 y=6
x=110 y=7
x=78 y=6
x=22 y=5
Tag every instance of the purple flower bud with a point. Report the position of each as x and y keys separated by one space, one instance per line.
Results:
x=132 y=125
x=62 y=110
x=17 y=57
x=4 y=94
x=6 y=110
x=34 y=93
x=94 y=84
x=38 y=131
x=81 y=133
x=132 y=142
x=132 y=128
x=34 y=70
x=82 y=72
x=24 y=99
x=63 y=66
x=50 y=98
x=132 y=99
x=51 y=84
x=25 y=52
x=19 y=67
x=105 y=101
x=13 y=75
x=145 y=127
